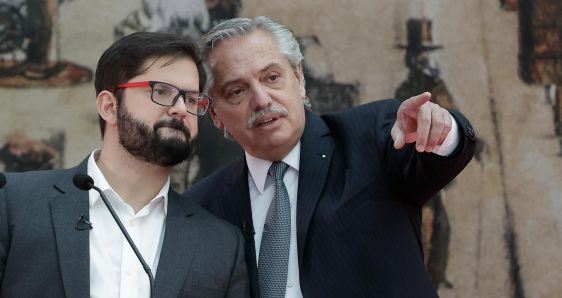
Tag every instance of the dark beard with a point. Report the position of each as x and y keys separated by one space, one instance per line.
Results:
x=148 y=145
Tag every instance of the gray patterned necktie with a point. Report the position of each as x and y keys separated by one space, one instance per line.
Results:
x=274 y=249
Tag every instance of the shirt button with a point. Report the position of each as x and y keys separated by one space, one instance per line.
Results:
x=290 y=284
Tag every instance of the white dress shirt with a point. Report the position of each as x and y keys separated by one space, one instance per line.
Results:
x=115 y=270
x=262 y=190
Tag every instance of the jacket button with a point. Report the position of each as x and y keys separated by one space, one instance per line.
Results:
x=470 y=133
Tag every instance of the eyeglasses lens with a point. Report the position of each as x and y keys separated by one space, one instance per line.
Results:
x=166 y=95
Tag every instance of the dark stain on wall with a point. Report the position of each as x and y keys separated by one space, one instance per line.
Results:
x=554 y=98
x=540 y=42
x=325 y=94
x=220 y=10
x=21 y=153
x=540 y=51
x=27 y=34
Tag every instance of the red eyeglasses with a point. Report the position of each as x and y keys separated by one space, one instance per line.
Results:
x=165 y=94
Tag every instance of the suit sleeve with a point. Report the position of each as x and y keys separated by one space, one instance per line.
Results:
x=418 y=176
x=239 y=282
x=4 y=234
x=363 y=134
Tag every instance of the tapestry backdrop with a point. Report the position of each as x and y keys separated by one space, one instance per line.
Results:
x=495 y=231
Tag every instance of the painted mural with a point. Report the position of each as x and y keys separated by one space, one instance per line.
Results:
x=21 y=153
x=495 y=231
x=28 y=49
x=423 y=75
x=540 y=51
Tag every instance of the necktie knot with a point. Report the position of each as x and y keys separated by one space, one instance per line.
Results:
x=278 y=169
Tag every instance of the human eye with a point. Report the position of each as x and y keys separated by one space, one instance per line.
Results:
x=163 y=90
x=273 y=77
x=235 y=92
x=192 y=98
x=235 y=95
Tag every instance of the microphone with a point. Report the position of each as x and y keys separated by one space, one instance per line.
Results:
x=248 y=231
x=2 y=180
x=83 y=223
x=85 y=182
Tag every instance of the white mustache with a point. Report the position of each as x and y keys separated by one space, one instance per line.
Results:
x=263 y=112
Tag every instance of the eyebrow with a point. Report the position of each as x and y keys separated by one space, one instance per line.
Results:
x=264 y=69
x=271 y=65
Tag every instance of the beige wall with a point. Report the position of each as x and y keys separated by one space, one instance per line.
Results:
x=515 y=189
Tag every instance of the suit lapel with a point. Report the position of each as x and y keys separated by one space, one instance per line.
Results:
x=67 y=206
x=236 y=200
x=178 y=247
x=316 y=156
x=238 y=211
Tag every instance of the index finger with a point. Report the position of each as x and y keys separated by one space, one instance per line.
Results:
x=415 y=102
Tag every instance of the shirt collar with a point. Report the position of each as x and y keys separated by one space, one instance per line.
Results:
x=259 y=168
x=100 y=181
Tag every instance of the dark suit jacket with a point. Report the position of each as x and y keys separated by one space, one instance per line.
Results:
x=42 y=254
x=358 y=206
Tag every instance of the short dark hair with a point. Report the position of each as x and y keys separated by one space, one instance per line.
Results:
x=125 y=58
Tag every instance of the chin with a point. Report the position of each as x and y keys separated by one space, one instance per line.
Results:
x=172 y=135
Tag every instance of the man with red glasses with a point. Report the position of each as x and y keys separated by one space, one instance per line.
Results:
x=57 y=240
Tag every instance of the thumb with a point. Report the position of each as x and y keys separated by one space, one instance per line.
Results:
x=397 y=136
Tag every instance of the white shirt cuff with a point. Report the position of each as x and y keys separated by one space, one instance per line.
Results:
x=451 y=141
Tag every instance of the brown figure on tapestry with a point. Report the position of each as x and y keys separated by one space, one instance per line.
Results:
x=29 y=49
x=540 y=52
x=424 y=75
x=21 y=153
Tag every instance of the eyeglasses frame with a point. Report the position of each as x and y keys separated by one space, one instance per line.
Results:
x=151 y=84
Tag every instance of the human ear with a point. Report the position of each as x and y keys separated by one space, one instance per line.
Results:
x=300 y=77
x=215 y=117
x=107 y=106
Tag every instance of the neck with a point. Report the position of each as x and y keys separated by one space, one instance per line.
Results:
x=273 y=154
x=136 y=181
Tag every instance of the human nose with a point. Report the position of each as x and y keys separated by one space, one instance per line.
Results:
x=261 y=98
x=179 y=108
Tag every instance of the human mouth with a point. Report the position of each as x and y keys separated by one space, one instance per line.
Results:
x=172 y=128
x=266 y=117
x=266 y=122
x=167 y=132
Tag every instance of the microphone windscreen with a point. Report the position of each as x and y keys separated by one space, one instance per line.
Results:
x=2 y=180
x=83 y=181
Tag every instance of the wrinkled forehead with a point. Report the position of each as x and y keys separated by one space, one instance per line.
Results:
x=256 y=41
x=250 y=53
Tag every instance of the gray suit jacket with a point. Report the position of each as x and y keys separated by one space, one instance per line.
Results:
x=44 y=254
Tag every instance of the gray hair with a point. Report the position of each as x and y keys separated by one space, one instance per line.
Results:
x=288 y=45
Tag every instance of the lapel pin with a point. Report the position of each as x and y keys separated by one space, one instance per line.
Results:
x=323 y=156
